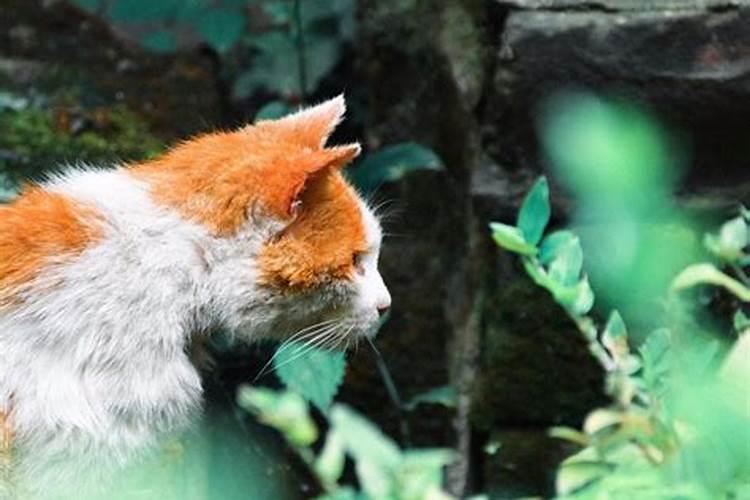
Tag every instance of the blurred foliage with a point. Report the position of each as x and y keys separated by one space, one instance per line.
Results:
x=285 y=47
x=620 y=165
x=678 y=426
x=391 y=163
x=315 y=373
x=384 y=471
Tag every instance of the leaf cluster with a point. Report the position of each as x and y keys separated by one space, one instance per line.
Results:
x=678 y=423
x=383 y=469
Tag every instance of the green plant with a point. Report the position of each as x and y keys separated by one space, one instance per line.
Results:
x=285 y=47
x=384 y=471
x=35 y=139
x=678 y=423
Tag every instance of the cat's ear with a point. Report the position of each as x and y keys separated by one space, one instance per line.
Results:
x=302 y=169
x=312 y=126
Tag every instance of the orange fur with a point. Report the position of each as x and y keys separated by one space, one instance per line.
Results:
x=217 y=178
x=40 y=228
x=320 y=244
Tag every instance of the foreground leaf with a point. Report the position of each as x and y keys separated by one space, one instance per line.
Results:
x=535 y=212
x=285 y=411
x=615 y=337
x=315 y=374
x=566 y=268
x=511 y=238
x=553 y=244
x=363 y=440
x=708 y=274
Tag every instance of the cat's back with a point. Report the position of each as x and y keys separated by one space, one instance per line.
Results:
x=91 y=226
x=42 y=228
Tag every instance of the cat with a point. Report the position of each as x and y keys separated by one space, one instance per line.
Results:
x=107 y=277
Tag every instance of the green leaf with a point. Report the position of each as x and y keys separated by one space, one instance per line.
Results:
x=143 y=10
x=535 y=212
x=740 y=321
x=376 y=456
x=89 y=5
x=444 y=395
x=573 y=477
x=553 y=244
x=274 y=66
x=615 y=338
x=330 y=463
x=736 y=368
x=376 y=481
x=285 y=411
x=606 y=150
x=363 y=440
x=322 y=53
x=422 y=471
x=733 y=234
x=570 y=434
x=511 y=238
x=584 y=300
x=708 y=274
x=601 y=419
x=160 y=41
x=280 y=12
x=566 y=268
x=273 y=110
x=393 y=162
x=655 y=347
x=221 y=28
x=313 y=373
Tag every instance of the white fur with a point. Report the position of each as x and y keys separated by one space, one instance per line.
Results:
x=96 y=363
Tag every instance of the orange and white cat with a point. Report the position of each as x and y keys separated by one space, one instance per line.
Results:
x=108 y=275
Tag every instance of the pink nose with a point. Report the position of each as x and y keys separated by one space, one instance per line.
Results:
x=383 y=308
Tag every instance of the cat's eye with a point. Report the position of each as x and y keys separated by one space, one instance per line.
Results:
x=358 y=259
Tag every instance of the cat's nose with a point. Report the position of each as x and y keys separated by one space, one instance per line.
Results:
x=383 y=309
x=383 y=304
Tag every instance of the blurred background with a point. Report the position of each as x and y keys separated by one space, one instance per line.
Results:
x=448 y=98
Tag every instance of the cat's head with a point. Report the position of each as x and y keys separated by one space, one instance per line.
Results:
x=323 y=265
x=315 y=267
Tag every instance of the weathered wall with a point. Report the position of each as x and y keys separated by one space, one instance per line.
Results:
x=466 y=78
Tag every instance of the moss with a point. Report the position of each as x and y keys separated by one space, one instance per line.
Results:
x=536 y=369
x=35 y=140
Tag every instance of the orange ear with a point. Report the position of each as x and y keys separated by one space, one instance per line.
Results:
x=334 y=157
x=309 y=127
x=301 y=169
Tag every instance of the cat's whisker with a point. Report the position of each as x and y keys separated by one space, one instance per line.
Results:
x=306 y=332
x=382 y=206
x=372 y=344
x=304 y=349
x=335 y=339
x=330 y=342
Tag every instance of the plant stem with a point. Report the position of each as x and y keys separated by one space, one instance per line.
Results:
x=390 y=387
x=300 y=43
